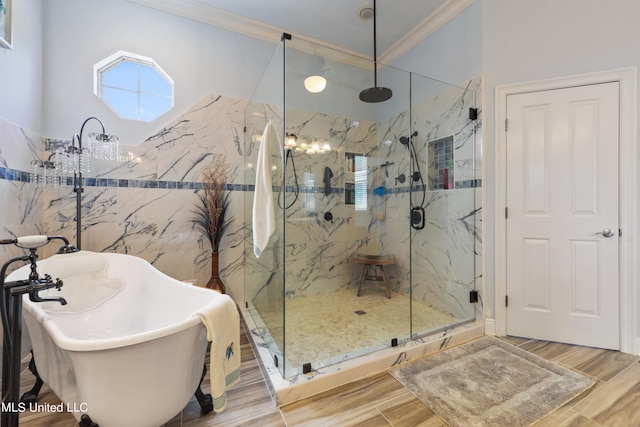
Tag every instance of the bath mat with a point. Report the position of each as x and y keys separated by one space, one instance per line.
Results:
x=489 y=382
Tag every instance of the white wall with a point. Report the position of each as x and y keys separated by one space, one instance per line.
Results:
x=200 y=59
x=21 y=68
x=526 y=41
x=452 y=54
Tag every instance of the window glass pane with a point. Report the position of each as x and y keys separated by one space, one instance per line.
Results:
x=361 y=183
x=135 y=87
x=123 y=75
x=153 y=106
x=152 y=82
x=123 y=102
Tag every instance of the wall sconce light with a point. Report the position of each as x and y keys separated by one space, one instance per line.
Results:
x=315 y=148
x=291 y=141
x=129 y=158
x=298 y=144
x=315 y=84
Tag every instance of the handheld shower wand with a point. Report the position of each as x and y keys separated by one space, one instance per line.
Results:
x=417 y=211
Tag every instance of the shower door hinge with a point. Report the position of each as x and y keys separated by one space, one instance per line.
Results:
x=506 y=300
x=506 y=125
x=473 y=296
x=506 y=212
x=473 y=114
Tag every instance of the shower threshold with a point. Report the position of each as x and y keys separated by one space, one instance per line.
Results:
x=341 y=370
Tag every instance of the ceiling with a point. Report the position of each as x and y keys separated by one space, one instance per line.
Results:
x=401 y=24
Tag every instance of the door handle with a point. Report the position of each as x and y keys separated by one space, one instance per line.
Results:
x=607 y=232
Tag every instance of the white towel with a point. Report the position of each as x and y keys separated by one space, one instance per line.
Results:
x=222 y=321
x=264 y=217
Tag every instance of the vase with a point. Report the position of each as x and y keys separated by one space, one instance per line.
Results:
x=214 y=282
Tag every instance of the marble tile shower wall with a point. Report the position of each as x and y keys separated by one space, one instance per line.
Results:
x=318 y=248
x=318 y=252
x=145 y=206
x=19 y=207
x=444 y=258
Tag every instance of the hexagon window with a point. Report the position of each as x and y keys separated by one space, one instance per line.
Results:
x=133 y=86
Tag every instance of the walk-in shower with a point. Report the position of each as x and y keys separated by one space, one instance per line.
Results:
x=337 y=193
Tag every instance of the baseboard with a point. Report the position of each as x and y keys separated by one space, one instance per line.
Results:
x=490 y=327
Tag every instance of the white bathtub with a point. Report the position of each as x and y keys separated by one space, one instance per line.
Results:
x=127 y=348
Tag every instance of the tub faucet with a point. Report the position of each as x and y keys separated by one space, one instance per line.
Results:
x=11 y=314
x=33 y=288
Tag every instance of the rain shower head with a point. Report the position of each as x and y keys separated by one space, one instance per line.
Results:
x=375 y=94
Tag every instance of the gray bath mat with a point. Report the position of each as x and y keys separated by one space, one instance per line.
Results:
x=489 y=382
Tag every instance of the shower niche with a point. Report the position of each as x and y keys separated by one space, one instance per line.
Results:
x=441 y=164
x=301 y=292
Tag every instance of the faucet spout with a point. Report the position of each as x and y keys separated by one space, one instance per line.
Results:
x=43 y=284
x=33 y=296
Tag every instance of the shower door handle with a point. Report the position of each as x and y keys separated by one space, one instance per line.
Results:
x=607 y=232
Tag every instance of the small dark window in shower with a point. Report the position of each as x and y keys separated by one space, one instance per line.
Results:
x=355 y=181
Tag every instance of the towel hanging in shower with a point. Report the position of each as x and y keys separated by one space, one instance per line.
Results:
x=264 y=218
x=327 y=180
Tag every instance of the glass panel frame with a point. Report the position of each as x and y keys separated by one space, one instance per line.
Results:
x=264 y=275
x=322 y=226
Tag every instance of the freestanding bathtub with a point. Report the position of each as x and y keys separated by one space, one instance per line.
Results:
x=127 y=349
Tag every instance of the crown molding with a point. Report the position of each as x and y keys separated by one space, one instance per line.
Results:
x=210 y=15
x=204 y=13
x=449 y=10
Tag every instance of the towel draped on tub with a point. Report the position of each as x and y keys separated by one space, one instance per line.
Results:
x=222 y=321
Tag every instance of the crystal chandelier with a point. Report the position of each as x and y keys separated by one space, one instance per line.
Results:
x=68 y=164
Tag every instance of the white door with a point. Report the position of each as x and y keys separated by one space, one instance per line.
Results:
x=562 y=215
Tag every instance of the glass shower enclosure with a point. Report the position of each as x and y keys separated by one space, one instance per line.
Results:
x=390 y=181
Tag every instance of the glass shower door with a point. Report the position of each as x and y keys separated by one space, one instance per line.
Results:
x=350 y=179
x=264 y=274
x=441 y=205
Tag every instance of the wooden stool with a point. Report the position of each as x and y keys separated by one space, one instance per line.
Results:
x=377 y=262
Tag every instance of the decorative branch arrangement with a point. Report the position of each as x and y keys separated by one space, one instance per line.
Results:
x=211 y=212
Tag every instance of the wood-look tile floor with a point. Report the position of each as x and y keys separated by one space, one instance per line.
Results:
x=380 y=400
